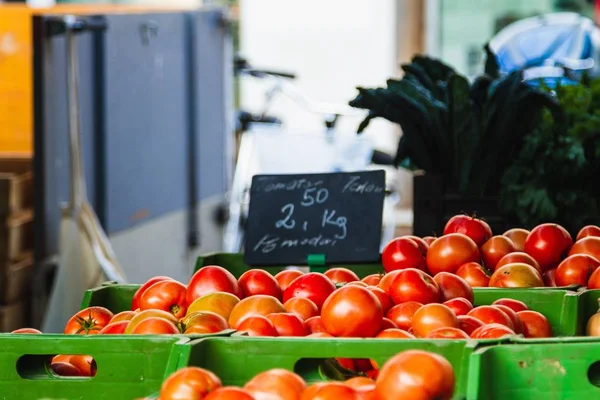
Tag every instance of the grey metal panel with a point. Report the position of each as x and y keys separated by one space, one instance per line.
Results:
x=146 y=120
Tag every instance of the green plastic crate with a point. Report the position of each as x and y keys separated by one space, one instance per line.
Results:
x=588 y=306
x=115 y=297
x=128 y=366
x=536 y=369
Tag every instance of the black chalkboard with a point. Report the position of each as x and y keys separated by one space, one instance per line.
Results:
x=335 y=215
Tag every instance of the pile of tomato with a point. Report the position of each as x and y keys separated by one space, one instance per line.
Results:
x=411 y=374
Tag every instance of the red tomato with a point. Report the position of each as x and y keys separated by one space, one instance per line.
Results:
x=515 y=305
x=341 y=275
x=429 y=240
x=257 y=325
x=589 y=230
x=576 y=270
x=313 y=286
x=384 y=299
x=423 y=245
x=589 y=245
x=401 y=253
x=516 y=275
x=431 y=317
x=474 y=274
x=491 y=315
x=535 y=324
x=494 y=249
x=468 y=324
x=143 y=315
x=229 y=393
x=290 y=378
x=352 y=311
x=320 y=335
x=517 y=325
x=191 y=383
x=394 y=333
x=447 y=333
x=276 y=384
x=209 y=279
x=123 y=316
x=259 y=281
x=451 y=251
x=459 y=305
x=135 y=303
x=549 y=278
x=547 y=244
x=356 y=283
x=315 y=325
x=167 y=296
x=414 y=285
x=594 y=281
x=372 y=280
x=114 y=328
x=387 y=323
x=403 y=313
x=365 y=387
x=288 y=324
x=302 y=307
x=27 y=331
x=492 y=331
x=518 y=237
x=155 y=326
x=88 y=321
x=452 y=286
x=386 y=280
x=477 y=229
x=330 y=391
x=62 y=368
x=203 y=322
x=518 y=257
x=85 y=364
x=416 y=374
x=285 y=277
x=259 y=304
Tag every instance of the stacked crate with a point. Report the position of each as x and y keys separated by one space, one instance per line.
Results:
x=16 y=240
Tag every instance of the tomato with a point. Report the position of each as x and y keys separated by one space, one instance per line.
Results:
x=167 y=296
x=372 y=280
x=384 y=299
x=394 y=333
x=62 y=368
x=459 y=305
x=451 y=251
x=288 y=324
x=423 y=245
x=123 y=316
x=494 y=249
x=468 y=324
x=429 y=240
x=211 y=278
x=576 y=270
x=352 y=311
x=315 y=325
x=516 y=275
x=492 y=331
x=518 y=237
x=515 y=305
x=88 y=321
x=447 y=333
x=330 y=391
x=259 y=281
x=341 y=275
x=517 y=325
x=356 y=283
x=401 y=253
x=114 y=328
x=431 y=317
x=387 y=323
x=313 y=286
x=61 y=358
x=452 y=286
x=294 y=380
x=589 y=245
x=549 y=278
x=491 y=315
x=414 y=285
x=365 y=387
x=143 y=315
x=589 y=230
x=229 y=393
x=191 y=383
x=535 y=324
x=85 y=364
x=155 y=325
x=285 y=277
x=135 y=303
x=276 y=384
x=27 y=331
x=416 y=374
x=302 y=307
x=474 y=274
x=518 y=257
x=547 y=244
x=203 y=322
x=319 y=335
x=386 y=280
x=476 y=229
x=259 y=304
x=257 y=325
x=221 y=303
x=594 y=281
x=403 y=313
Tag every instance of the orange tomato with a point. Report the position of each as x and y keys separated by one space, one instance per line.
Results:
x=352 y=311
x=229 y=393
x=288 y=324
x=402 y=314
x=254 y=305
x=88 y=321
x=190 y=383
x=84 y=363
x=518 y=236
x=257 y=325
x=302 y=307
x=165 y=295
x=155 y=326
x=123 y=316
x=284 y=278
x=431 y=317
x=474 y=274
x=519 y=257
x=203 y=323
x=341 y=275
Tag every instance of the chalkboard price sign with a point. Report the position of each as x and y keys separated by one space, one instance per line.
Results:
x=335 y=217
